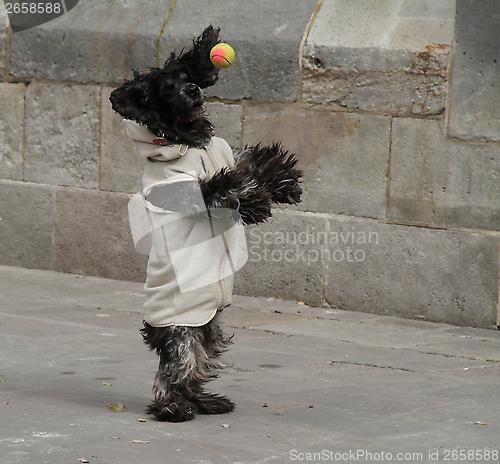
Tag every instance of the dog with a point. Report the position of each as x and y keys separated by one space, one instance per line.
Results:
x=191 y=180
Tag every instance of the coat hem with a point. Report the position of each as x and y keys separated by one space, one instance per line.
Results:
x=177 y=324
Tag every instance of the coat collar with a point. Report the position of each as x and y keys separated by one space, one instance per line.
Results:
x=152 y=146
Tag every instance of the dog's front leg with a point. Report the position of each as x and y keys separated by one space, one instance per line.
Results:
x=274 y=168
x=240 y=191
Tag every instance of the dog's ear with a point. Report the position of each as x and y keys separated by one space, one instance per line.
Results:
x=132 y=99
x=197 y=60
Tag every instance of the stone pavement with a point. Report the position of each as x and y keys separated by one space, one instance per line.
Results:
x=311 y=384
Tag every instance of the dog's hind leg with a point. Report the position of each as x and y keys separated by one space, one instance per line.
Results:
x=188 y=360
x=170 y=403
x=215 y=344
x=179 y=375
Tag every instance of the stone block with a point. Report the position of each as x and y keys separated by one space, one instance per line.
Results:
x=344 y=156
x=114 y=37
x=266 y=65
x=26 y=225
x=396 y=65
x=474 y=110
x=121 y=166
x=412 y=272
x=4 y=40
x=438 y=181
x=95 y=42
x=11 y=131
x=92 y=235
x=62 y=134
x=428 y=10
x=227 y=121
x=284 y=259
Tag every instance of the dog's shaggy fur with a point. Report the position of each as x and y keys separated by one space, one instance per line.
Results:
x=169 y=101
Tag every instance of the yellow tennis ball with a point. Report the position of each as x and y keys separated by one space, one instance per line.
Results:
x=222 y=55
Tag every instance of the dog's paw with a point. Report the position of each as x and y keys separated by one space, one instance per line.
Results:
x=209 y=403
x=254 y=202
x=172 y=412
x=287 y=190
x=274 y=168
x=239 y=191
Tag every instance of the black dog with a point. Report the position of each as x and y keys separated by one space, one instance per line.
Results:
x=165 y=112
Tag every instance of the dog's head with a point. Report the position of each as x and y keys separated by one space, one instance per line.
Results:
x=169 y=101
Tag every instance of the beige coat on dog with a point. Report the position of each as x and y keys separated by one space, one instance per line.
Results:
x=193 y=256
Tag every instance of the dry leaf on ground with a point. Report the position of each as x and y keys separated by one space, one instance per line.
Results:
x=118 y=407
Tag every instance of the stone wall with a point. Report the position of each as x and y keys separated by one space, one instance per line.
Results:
x=399 y=147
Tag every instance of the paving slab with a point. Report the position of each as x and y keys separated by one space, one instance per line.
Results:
x=311 y=384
